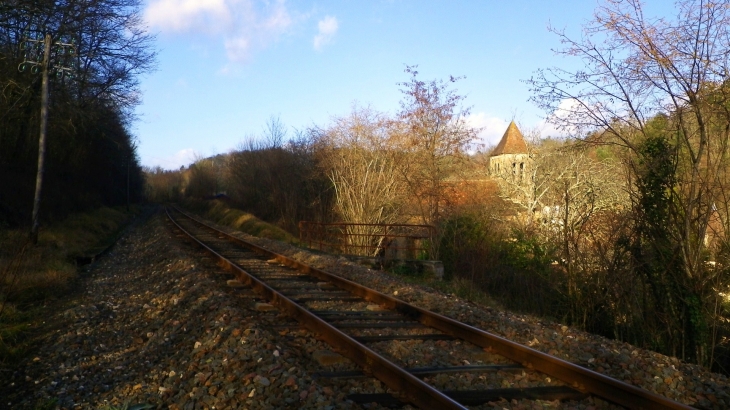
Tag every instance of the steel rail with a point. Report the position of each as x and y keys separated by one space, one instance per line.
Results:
x=409 y=387
x=576 y=376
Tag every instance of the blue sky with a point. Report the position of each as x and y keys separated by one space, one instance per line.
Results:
x=227 y=66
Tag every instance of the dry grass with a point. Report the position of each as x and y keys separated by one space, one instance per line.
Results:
x=220 y=213
x=30 y=275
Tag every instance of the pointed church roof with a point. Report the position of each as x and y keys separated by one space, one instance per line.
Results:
x=512 y=142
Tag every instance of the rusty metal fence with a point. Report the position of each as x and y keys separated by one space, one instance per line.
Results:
x=390 y=241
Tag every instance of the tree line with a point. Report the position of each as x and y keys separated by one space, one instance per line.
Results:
x=91 y=155
x=620 y=229
x=366 y=166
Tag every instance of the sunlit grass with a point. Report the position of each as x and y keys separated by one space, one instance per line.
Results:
x=220 y=213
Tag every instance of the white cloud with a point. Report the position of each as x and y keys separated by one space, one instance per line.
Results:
x=241 y=26
x=566 y=108
x=238 y=49
x=328 y=27
x=178 y=16
x=492 y=128
x=279 y=19
x=183 y=157
x=547 y=129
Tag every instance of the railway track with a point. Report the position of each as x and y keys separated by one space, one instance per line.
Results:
x=366 y=326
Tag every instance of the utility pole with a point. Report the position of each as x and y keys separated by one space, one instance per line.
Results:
x=41 y=140
x=129 y=157
x=30 y=59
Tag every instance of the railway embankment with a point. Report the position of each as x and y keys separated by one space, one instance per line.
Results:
x=155 y=323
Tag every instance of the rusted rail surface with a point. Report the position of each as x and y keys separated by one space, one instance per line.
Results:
x=410 y=387
x=414 y=390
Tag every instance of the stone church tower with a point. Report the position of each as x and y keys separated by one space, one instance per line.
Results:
x=510 y=158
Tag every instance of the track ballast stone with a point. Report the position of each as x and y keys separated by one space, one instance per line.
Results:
x=668 y=376
x=154 y=323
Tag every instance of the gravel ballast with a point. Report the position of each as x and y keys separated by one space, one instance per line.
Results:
x=668 y=376
x=153 y=323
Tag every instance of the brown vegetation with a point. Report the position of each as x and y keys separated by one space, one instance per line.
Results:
x=33 y=275
x=621 y=231
x=658 y=89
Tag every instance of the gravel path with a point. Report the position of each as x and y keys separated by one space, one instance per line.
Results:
x=151 y=324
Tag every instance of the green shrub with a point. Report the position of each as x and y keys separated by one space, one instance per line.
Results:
x=515 y=268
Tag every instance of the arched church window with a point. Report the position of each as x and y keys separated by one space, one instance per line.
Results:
x=522 y=170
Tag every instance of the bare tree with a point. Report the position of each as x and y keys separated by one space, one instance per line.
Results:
x=658 y=87
x=433 y=137
x=278 y=182
x=362 y=166
x=579 y=196
x=563 y=185
x=111 y=49
x=274 y=132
